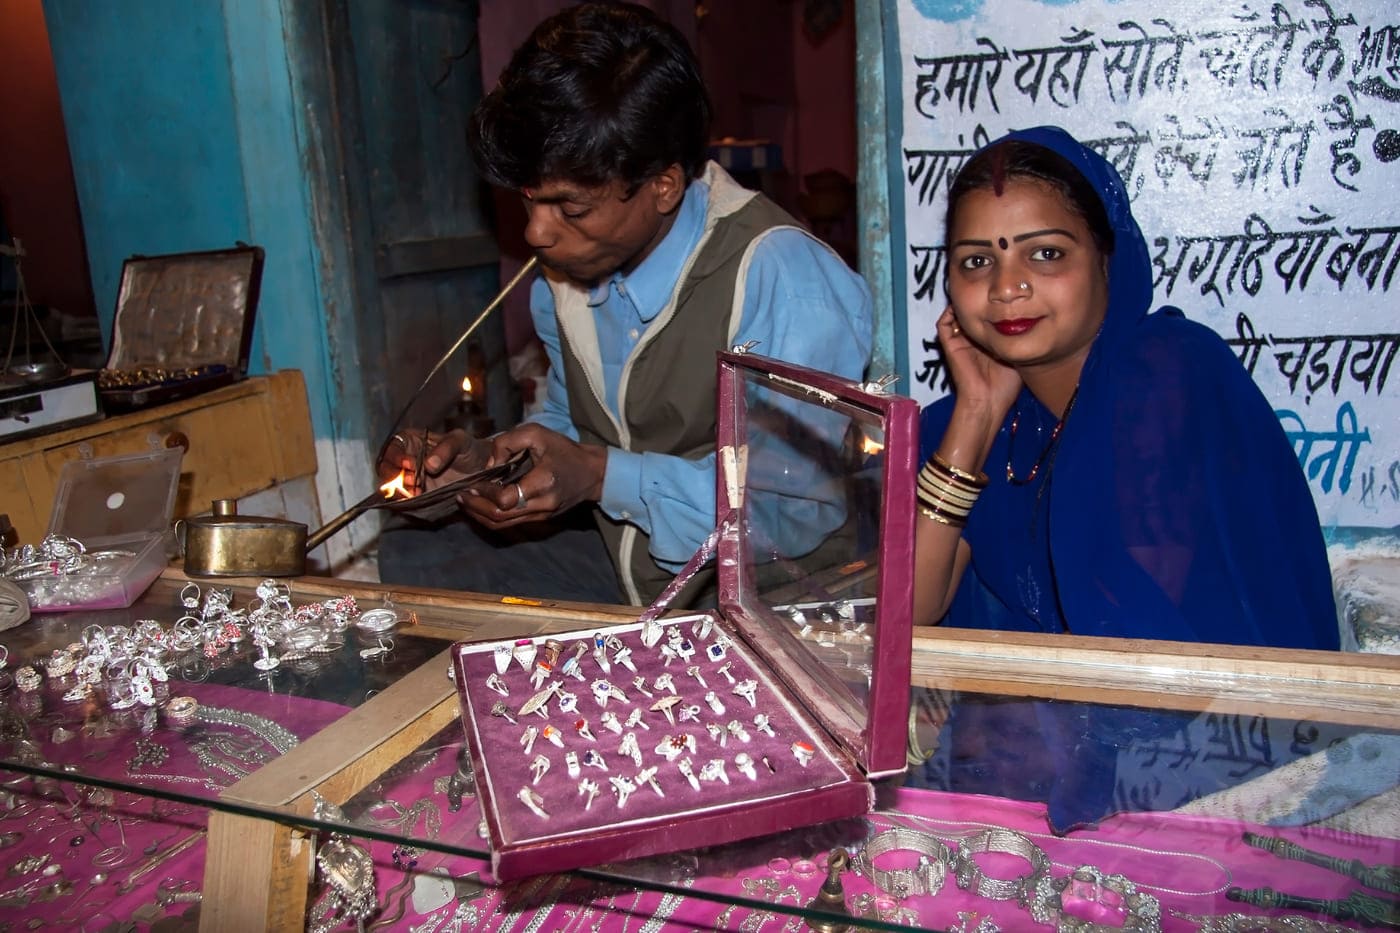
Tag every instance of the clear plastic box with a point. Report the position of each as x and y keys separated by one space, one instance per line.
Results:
x=120 y=509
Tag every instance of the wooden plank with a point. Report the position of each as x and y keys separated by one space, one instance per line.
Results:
x=341 y=759
x=438 y=254
x=256 y=875
x=239 y=439
x=260 y=869
x=289 y=414
x=21 y=501
x=1331 y=686
x=251 y=386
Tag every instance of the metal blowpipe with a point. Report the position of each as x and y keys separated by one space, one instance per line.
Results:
x=319 y=536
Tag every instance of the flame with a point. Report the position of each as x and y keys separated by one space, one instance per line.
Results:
x=467 y=384
x=870 y=446
x=395 y=486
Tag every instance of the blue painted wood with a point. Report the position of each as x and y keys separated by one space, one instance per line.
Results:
x=182 y=125
x=899 y=245
x=874 y=190
x=148 y=104
x=417 y=75
x=277 y=108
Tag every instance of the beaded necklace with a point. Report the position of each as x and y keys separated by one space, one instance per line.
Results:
x=1049 y=445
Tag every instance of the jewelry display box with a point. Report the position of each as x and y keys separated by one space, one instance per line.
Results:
x=119 y=510
x=775 y=710
x=183 y=325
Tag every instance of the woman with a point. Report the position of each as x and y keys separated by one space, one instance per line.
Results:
x=1099 y=469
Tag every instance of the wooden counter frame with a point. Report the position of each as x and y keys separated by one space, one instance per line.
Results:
x=1353 y=689
x=258 y=870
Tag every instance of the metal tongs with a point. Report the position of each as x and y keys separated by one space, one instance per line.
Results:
x=499 y=476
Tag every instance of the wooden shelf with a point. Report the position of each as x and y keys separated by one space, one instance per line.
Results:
x=238 y=440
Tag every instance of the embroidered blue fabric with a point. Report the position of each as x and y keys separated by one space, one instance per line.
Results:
x=1173 y=508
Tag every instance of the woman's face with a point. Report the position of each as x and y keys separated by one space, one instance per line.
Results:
x=1027 y=282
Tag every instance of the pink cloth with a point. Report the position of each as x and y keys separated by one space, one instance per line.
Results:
x=93 y=851
x=1186 y=862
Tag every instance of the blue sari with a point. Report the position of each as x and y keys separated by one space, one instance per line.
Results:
x=1173 y=507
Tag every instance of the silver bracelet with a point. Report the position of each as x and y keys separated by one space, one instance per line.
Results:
x=1258 y=923
x=969 y=874
x=924 y=879
x=1141 y=912
x=668 y=905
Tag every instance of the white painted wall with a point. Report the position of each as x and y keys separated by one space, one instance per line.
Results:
x=1261 y=145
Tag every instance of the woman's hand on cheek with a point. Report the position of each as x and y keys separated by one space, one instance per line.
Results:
x=977 y=377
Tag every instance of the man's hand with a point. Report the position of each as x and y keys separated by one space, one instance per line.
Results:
x=429 y=461
x=565 y=473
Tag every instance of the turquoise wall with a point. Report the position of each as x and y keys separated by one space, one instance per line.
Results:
x=180 y=121
x=151 y=127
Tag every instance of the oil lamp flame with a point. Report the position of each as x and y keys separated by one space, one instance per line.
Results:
x=395 y=487
x=870 y=446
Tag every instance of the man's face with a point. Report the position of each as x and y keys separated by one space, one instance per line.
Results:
x=588 y=233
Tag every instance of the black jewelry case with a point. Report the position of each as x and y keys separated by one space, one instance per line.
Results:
x=183 y=326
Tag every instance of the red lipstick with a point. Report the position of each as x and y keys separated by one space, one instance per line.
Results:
x=1019 y=325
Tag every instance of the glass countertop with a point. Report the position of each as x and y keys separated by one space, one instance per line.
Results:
x=1127 y=785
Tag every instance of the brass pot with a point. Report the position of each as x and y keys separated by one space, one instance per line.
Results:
x=226 y=544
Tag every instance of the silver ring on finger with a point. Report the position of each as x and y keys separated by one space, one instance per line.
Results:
x=519 y=496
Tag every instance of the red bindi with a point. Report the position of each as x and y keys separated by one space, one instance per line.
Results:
x=998 y=171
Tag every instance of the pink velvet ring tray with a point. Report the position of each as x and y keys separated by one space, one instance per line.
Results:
x=773 y=711
x=742 y=780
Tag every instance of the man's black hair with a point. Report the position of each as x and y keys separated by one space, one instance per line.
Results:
x=599 y=92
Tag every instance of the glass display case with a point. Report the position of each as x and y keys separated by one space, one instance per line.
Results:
x=1060 y=783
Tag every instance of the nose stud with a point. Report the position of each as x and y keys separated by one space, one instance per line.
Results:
x=1024 y=286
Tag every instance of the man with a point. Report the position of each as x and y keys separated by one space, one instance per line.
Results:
x=653 y=260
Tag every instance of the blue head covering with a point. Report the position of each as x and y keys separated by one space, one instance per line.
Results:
x=1173 y=507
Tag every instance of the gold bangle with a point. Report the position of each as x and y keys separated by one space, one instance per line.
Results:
x=939 y=479
x=980 y=480
x=944 y=489
x=944 y=508
x=940 y=495
x=941 y=492
x=938 y=482
x=949 y=520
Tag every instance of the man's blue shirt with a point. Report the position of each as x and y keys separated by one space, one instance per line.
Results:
x=801 y=304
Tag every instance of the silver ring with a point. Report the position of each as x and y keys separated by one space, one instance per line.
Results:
x=377 y=621
x=520 y=496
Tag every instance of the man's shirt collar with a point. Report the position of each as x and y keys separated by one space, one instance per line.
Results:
x=649 y=286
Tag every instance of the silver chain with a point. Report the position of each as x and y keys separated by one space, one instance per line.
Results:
x=270 y=732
